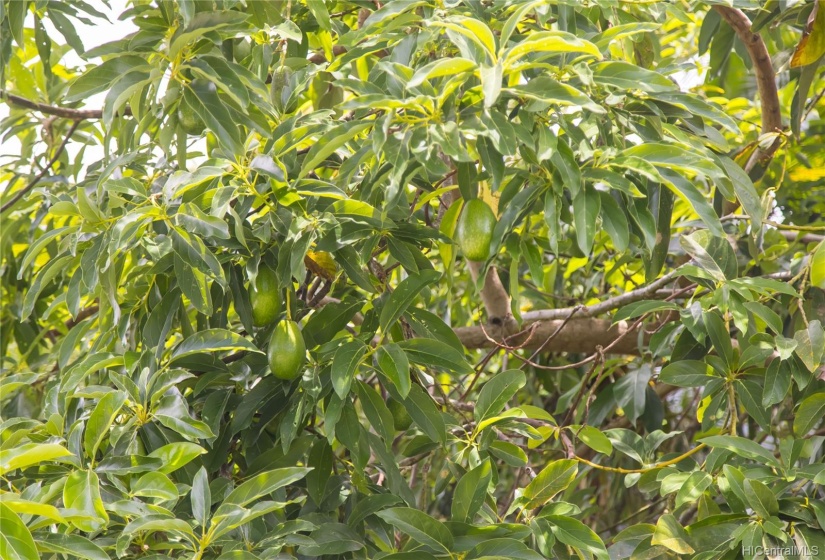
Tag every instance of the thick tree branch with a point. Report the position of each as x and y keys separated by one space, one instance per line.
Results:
x=645 y=292
x=22 y=192
x=580 y=335
x=65 y=112
x=765 y=80
x=495 y=298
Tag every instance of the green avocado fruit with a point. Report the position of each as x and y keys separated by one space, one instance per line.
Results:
x=265 y=297
x=474 y=231
x=287 y=351
x=279 y=88
x=401 y=419
x=190 y=121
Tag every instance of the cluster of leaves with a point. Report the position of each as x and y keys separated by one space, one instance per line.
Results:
x=334 y=142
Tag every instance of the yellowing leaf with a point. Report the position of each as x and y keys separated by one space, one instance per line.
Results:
x=812 y=45
x=321 y=264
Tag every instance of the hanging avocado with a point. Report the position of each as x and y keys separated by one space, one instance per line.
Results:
x=287 y=351
x=474 y=231
x=265 y=297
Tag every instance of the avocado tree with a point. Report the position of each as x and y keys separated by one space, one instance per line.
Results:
x=412 y=279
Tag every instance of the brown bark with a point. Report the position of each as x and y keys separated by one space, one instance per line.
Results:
x=578 y=336
x=65 y=112
x=765 y=80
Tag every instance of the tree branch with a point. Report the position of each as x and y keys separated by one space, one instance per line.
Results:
x=645 y=292
x=765 y=80
x=580 y=335
x=22 y=192
x=65 y=112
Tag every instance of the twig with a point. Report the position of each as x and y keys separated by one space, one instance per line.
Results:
x=65 y=112
x=606 y=305
x=555 y=333
x=22 y=192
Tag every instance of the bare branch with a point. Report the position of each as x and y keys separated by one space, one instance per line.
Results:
x=22 y=192
x=65 y=112
x=645 y=292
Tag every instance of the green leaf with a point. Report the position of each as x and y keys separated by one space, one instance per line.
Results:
x=82 y=492
x=495 y=393
x=37 y=247
x=332 y=539
x=26 y=455
x=394 y=364
x=508 y=452
x=744 y=448
x=201 y=497
x=630 y=391
x=777 y=382
x=212 y=340
x=710 y=254
x=440 y=68
x=72 y=545
x=685 y=373
x=218 y=71
x=470 y=492
x=403 y=296
x=626 y=76
x=771 y=318
x=195 y=221
x=376 y=411
x=692 y=489
x=818 y=264
x=329 y=143
x=202 y=23
x=101 y=419
x=155 y=485
x=670 y=534
x=433 y=353
x=320 y=14
x=615 y=222
x=639 y=308
x=202 y=97
x=345 y=364
x=810 y=345
x=760 y=499
x=419 y=526
x=554 y=478
x=554 y=42
x=573 y=532
x=16 y=541
x=102 y=76
x=194 y=252
x=720 y=336
x=424 y=413
x=323 y=325
x=192 y=283
x=503 y=548
x=586 y=208
x=154 y=523
x=593 y=438
x=545 y=91
x=810 y=412
x=176 y=455
x=263 y=484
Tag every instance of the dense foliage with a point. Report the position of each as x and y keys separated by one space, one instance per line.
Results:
x=244 y=315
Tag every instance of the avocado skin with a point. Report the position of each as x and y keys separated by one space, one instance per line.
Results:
x=287 y=351
x=474 y=231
